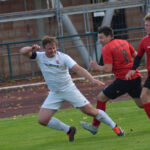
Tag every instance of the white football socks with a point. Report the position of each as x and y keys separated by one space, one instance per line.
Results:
x=54 y=123
x=103 y=117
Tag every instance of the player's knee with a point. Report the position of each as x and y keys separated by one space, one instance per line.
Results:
x=144 y=99
x=43 y=122
x=140 y=105
x=101 y=97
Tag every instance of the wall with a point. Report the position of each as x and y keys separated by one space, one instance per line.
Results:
x=31 y=29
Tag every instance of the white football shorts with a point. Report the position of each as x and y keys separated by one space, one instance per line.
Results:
x=55 y=99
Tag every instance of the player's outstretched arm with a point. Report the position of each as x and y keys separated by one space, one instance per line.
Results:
x=130 y=74
x=28 y=50
x=84 y=73
x=105 y=67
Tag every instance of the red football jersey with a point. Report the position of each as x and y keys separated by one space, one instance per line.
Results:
x=145 y=47
x=119 y=53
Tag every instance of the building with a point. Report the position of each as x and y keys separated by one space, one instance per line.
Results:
x=73 y=22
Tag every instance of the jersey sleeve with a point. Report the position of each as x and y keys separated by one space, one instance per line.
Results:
x=107 y=55
x=141 y=50
x=39 y=55
x=69 y=62
x=33 y=56
x=36 y=55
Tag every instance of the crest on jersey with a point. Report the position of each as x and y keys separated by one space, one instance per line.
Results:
x=57 y=61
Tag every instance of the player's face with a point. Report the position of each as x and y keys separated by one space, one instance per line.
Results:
x=147 y=26
x=50 y=50
x=103 y=39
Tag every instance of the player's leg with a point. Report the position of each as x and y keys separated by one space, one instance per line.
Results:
x=45 y=115
x=145 y=96
x=134 y=90
x=138 y=102
x=113 y=91
x=78 y=100
x=102 y=117
x=46 y=119
x=101 y=104
x=48 y=109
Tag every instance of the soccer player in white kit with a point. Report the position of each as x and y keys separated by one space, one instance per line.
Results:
x=55 y=66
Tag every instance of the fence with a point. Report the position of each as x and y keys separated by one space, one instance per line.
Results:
x=15 y=66
x=124 y=16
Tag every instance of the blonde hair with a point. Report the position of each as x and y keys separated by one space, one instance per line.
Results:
x=147 y=17
x=47 y=39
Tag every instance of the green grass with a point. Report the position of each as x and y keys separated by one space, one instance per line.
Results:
x=24 y=133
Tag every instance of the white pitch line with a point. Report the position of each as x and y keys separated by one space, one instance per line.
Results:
x=43 y=83
x=21 y=86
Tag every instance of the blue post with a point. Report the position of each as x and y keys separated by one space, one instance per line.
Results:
x=9 y=60
x=95 y=41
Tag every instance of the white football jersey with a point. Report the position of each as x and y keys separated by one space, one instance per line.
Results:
x=56 y=70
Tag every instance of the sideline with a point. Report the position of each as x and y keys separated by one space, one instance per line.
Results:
x=43 y=83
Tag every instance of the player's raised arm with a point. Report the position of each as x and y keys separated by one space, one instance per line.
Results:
x=28 y=50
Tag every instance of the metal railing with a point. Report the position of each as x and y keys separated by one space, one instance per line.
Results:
x=7 y=47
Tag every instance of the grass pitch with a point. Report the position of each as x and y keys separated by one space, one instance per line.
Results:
x=24 y=133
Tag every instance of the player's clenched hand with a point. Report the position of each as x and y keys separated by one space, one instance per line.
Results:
x=100 y=83
x=35 y=47
x=93 y=64
x=130 y=74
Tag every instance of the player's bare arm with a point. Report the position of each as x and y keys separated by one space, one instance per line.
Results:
x=28 y=50
x=130 y=74
x=105 y=68
x=84 y=73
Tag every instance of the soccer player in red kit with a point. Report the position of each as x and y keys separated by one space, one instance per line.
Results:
x=117 y=57
x=144 y=47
